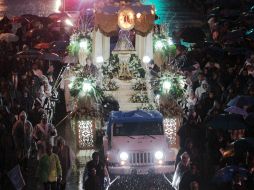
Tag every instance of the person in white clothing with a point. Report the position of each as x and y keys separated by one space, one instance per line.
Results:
x=200 y=90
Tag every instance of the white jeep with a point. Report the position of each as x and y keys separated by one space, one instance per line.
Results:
x=135 y=144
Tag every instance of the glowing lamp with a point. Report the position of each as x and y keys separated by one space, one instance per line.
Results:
x=138 y=15
x=83 y=44
x=166 y=86
x=170 y=41
x=87 y=87
x=159 y=45
x=146 y=59
x=99 y=59
x=152 y=12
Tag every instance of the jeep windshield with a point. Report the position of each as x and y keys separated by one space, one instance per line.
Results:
x=138 y=129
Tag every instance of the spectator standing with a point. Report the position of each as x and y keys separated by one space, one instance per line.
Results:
x=101 y=171
x=22 y=134
x=182 y=167
x=55 y=169
x=63 y=152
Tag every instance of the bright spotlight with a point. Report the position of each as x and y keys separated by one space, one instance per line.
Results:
x=170 y=41
x=58 y=5
x=159 y=45
x=166 y=85
x=68 y=22
x=152 y=12
x=99 y=59
x=87 y=87
x=83 y=44
x=146 y=59
x=138 y=15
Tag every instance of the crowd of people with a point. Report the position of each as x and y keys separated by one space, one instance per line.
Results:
x=28 y=95
x=216 y=73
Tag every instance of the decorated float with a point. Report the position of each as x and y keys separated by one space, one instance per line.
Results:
x=112 y=59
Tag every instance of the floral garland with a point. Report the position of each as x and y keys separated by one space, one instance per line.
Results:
x=109 y=85
x=139 y=97
x=77 y=39
x=139 y=85
x=136 y=67
x=111 y=67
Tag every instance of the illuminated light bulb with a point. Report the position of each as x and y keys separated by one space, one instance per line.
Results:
x=159 y=45
x=99 y=59
x=87 y=87
x=170 y=42
x=138 y=15
x=83 y=44
x=166 y=85
x=146 y=59
x=68 y=22
x=152 y=12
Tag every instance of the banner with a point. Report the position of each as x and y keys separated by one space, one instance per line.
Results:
x=16 y=178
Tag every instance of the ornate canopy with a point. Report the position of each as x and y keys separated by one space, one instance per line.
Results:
x=110 y=17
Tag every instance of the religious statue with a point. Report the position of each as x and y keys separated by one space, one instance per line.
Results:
x=124 y=43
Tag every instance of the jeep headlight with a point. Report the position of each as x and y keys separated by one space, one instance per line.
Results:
x=158 y=155
x=124 y=156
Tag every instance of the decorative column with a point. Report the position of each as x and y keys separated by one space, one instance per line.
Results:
x=140 y=46
x=98 y=53
x=149 y=45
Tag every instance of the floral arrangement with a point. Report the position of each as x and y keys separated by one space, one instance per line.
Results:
x=172 y=84
x=139 y=85
x=139 y=97
x=78 y=40
x=136 y=67
x=83 y=85
x=164 y=45
x=109 y=85
x=147 y=107
x=111 y=67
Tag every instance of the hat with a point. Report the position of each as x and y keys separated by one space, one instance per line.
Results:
x=204 y=82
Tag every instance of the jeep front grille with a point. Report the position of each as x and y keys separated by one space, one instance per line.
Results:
x=141 y=158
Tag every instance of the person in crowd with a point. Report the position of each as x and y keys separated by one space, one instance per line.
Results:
x=55 y=169
x=182 y=167
x=44 y=132
x=49 y=170
x=194 y=185
x=201 y=89
x=93 y=180
x=63 y=152
x=154 y=69
x=189 y=177
x=22 y=132
x=100 y=170
x=90 y=68
x=42 y=171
